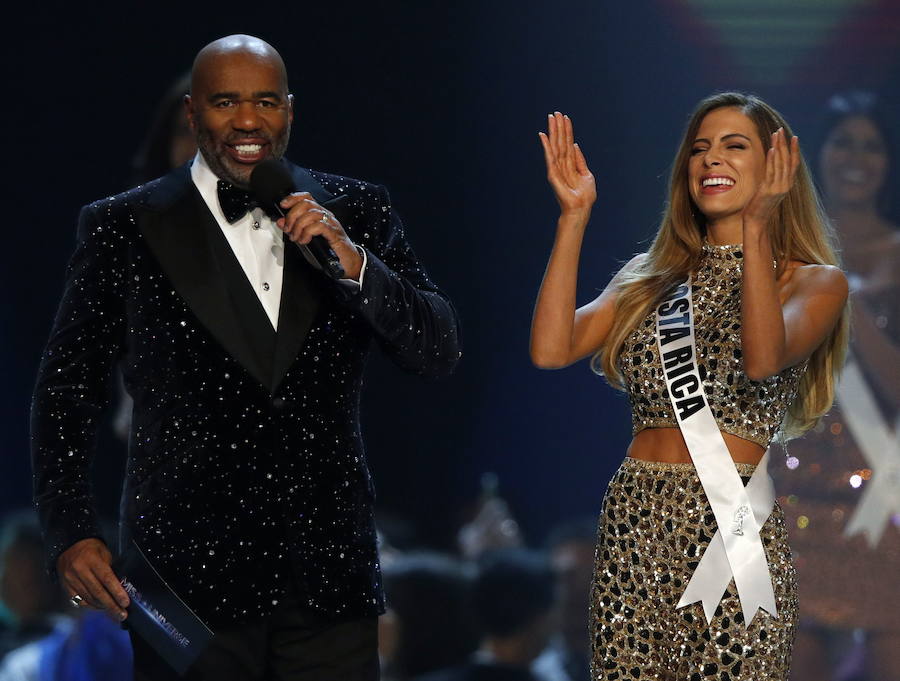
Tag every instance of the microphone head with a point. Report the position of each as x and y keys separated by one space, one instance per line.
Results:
x=271 y=181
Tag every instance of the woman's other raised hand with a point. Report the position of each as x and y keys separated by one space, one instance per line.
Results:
x=567 y=171
x=782 y=162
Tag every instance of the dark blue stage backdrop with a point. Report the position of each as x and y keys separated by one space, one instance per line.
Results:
x=441 y=102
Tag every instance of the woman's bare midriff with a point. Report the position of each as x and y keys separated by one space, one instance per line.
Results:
x=667 y=445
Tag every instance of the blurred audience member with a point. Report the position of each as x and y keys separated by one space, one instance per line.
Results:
x=396 y=535
x=31 y=604
x=429 y=622
x=492 y=527
x=571 y=548
x=514 y=598
x=88 y=647
x=848 y=562
x=43 y=639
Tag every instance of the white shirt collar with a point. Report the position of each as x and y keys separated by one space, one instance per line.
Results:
x=206 y=182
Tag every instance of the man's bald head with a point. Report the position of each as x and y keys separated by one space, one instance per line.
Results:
x=248 y=46
x=239 y=107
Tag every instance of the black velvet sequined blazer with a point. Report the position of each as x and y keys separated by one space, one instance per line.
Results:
x=246 y=468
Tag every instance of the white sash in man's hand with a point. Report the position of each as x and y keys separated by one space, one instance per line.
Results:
x=736 y=550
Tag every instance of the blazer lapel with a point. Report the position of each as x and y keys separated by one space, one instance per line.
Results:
x=248 y=309
x=175 y=231
x=301 y=290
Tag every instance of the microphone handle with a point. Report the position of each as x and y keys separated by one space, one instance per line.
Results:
x=319 y=254
x=325 y=256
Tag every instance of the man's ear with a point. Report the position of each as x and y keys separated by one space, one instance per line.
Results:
x=290 y=100
x=189 y=112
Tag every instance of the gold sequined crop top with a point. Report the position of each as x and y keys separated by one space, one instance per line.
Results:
x=752 y=410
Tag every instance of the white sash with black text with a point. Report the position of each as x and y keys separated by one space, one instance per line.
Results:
x=736 y=550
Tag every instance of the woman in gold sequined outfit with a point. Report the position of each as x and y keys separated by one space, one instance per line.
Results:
x=768 y=341
x=828 y=472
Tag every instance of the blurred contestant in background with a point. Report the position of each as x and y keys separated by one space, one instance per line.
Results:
x=727 y=331
x=842 y=482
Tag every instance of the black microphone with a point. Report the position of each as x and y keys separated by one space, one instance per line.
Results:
x=271 y=181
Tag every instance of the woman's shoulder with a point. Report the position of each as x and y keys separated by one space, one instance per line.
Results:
x=633 y=264
x=815 y=278
x=881 y=277
x=887 y=244
x=626 y=272
x=893 y=241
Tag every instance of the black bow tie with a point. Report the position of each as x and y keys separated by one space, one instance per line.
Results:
x=235 y=202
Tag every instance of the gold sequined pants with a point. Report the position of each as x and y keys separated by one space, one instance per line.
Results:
x=654 y=526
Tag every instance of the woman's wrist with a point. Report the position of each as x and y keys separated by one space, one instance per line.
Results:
x=574 y=218
x=754 y=230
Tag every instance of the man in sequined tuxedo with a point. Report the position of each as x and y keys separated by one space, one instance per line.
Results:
x=246 y=485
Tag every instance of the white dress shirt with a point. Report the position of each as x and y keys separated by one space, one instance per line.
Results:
x=257 y=243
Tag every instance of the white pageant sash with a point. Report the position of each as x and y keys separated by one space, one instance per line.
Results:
x=736 y=549
x=881 y=449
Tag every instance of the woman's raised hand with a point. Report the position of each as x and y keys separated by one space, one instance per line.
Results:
x=567 y=170
x=782 y=162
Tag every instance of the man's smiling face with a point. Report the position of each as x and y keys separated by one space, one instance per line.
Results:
x=240 y=111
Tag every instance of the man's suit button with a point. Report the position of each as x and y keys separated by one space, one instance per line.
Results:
x=278 y=403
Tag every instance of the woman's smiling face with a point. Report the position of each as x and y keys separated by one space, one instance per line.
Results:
x=727 y=163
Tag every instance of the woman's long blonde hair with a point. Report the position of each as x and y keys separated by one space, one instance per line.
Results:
x=800 y=231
